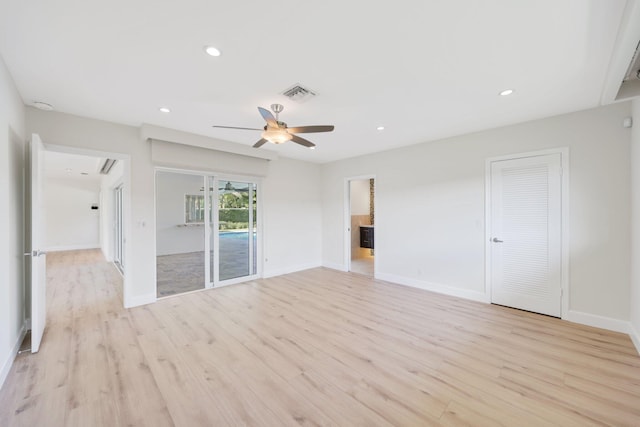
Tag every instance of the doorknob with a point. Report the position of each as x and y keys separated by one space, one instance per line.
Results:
x=496 y=240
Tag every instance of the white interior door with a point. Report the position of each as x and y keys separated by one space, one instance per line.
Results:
x=38 y=256
x=526 y=236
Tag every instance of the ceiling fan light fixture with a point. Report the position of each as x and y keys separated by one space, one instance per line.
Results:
x=276 y=136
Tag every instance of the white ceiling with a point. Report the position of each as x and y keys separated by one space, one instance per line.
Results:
x=423 y=69
x=72 y=167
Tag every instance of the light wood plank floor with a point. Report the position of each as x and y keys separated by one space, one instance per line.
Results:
x=318 y=347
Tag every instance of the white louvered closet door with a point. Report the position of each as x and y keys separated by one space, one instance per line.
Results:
x=526 y=233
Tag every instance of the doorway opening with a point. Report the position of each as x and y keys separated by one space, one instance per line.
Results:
x=361 y=225
x=68 y=215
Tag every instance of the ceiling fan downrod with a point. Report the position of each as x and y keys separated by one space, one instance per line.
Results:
x=277 y=108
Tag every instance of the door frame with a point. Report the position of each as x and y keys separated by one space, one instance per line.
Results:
x=217 y=176
x=118 y=237
x=564 y=220
x=126 y=201
x=347 y=219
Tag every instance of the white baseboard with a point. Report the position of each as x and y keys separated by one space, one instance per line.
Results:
x=136 y=301
x=71 y=248
x=598 y=321
x=434 y=287
x=106 y=256
x=339 y=267
x=594 y=320
x=8 y=363
x=634 y=334
x=281 y=271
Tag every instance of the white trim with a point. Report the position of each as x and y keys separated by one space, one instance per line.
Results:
x=434 y=287
x=71 y=248
x=208 y=230
x=235 y=281
x=565 y=254
x=126 y=202
x=338 y=267
x=138 y=300
x=217 y=176
x=634 y=334
x=598 y=321
x=347 y=219
x=587 y=319
x=8 y=363
x=292 y=269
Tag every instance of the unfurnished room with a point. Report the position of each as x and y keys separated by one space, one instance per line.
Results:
x=285 y=213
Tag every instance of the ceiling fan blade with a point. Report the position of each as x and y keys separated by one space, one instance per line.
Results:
x=266 y=114
x=260 y=143
x=234 y=127
x=311 y=129
x=302 y=141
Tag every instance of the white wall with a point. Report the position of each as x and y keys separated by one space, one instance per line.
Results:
x=635 y=226
x=292 y=217
x=70 y=223
x=12 y=221
x=172 y=236
x=430 y=207
x=292 y=214
x=359 y=197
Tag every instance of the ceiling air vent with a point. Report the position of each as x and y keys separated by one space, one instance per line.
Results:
x=630 y=86
x=299 y=93
x=107 y=165
x=633 y=72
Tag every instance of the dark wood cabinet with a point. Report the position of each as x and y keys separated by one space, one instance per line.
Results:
x=366 y=237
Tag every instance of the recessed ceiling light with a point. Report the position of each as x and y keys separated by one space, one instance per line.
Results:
x=380 y=128
x=43 y=105
x=68 y=170
x=506 y=92
x=312 y=148
x=164 y=110
x=212 y=51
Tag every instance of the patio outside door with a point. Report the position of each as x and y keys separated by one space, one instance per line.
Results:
x=237 y=229
x=206 y=231
x=180 y=233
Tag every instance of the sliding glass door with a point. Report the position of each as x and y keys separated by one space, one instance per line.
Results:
x=206 y=231
x=237 y=229
x=180 y=233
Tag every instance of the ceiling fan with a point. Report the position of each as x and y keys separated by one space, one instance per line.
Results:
x=278 y=132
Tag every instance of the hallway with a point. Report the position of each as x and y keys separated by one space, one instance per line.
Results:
x=90 y=370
